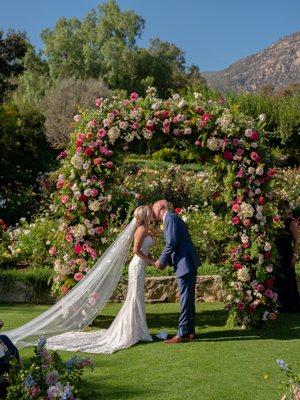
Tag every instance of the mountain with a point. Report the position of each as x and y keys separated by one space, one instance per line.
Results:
x=277 y=66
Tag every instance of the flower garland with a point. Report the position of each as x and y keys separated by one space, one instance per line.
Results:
x=220 y=134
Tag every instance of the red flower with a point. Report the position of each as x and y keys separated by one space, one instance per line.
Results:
x=246 y=245
x=235 y=220
x=99 y=230
x=267 y=256
x=88 y=151
x=255 y=156
x=77 y=248
x=237 y=265
x=240 y=306
x=269 y=282
x=271 y=172
x=178 y=210
x=78 y=276
x=228 y=155
x=254 y=136
x=261 y=200
x=206 y=117
x=235 y=207
x=83 y=198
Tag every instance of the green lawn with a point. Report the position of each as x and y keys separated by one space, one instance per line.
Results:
x=223 y=364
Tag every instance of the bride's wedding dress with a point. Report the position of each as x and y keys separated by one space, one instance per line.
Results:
x=128 y=327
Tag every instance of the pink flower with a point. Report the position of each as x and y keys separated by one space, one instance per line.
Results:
x=97 y=161
x=60 y=184
x=134 y=96
x=240 y=306
x=77 y=118
x=77 y=248
x=240 y=152
x=199 y=110
x=260 y=287
x=78 y=276
x=206 y=117
x=150 y=126
x=269 y=293
x=94 y=192
x=254 y=156
x=271 y=172
x=101 y=133
x=235 y=207
x=52 y=378
x=69 y=237
x=240 y=173
x=34 y=391
x=134 y=126
x=237 y=184
x=198 y=143
x=247 y=222
x=236 y=141
x=64 y=199
x=235 y=220
x=109 y=164
x=62 y=154
x=99 y=230
x=228 y=155
x=98 y=102
x=52 y=250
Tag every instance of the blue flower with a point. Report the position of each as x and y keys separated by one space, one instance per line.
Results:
x=72 y=361
x=282 y=364
x=29 y=382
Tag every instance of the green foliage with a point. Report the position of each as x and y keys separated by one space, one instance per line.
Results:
x=12 y=49
x=39 y=278
x=282 y=120
x=24 y=154
x=174 y=156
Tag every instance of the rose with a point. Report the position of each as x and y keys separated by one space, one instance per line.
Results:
x=237 y=265
x=269 y=293
x=271 y=172
x=52 y=378
x=272 y=316
x=199 y=110
x=261 y=200
x=235 y=207
x=134 y=126
x=109 y=164
x=198 y=143
x=240 y=152
x=97 y=161
x=134 y=96
x=178 y=210
x=254 y=156
x=235 y=220
x=269 y=282
x=228 y=156
x=77 y=248
x=240 y=306
x=254 y=136
x=64 y=199
x=206 y=118
x=260 y=287
x=34 y=391
x=98 y=102
x=78 y=276
x=88 y=151
x=247 y=222
x=52 y=250
x=101 y=133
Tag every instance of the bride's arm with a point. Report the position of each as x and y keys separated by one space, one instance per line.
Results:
x=139 y=236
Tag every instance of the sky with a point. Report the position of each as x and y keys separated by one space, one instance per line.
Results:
x=213 y=33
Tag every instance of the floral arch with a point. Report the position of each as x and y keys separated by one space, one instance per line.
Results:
x=220 y=134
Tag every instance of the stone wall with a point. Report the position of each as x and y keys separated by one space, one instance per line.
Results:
x=157 y=290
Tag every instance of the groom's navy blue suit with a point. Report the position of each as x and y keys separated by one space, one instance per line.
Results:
x=181 y=253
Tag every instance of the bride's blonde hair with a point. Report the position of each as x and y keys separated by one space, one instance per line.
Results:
x=141 y=213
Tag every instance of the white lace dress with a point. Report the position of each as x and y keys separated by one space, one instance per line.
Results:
x=128 y=327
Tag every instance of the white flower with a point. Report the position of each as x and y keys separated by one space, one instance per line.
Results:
x=197 y=95
x=147 y=134
x=113 y=134
x=95 y=205
x=77 y=118
x=77 y=161
x=243 y=274
x=213 y=144
x=257 y=191
x=248 y=132
x=259 y=170
x=251 y=170
x=187 y=131
x=103 y=240
x=244 y=239
x=254 y=145
x=176 y=96
x=246 y=210
x=181 y=104
x=184 y=218
x=259 y=216
x=123 y=125
x=262 y=117
x=267 y=246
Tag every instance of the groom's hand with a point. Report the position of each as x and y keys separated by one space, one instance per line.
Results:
x=159 y=265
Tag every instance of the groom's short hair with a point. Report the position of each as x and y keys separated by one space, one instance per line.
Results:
x=163 y=204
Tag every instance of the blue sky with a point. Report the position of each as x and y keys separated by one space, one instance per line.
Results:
x=213 y=33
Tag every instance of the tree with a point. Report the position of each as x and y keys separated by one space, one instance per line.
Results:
x=12 y=50
x=61 y=103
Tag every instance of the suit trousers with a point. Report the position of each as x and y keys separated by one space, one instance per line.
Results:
x=187 y=284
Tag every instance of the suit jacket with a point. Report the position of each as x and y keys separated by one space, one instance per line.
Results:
x=179 y=249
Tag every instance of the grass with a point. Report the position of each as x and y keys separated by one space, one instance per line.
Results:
x=224 y=363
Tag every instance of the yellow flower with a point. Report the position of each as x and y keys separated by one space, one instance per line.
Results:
x=161 y=227
x=266 y=376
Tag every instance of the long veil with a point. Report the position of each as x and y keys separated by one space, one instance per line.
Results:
x=85 y=301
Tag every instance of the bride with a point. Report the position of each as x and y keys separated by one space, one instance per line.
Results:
x=64 y=322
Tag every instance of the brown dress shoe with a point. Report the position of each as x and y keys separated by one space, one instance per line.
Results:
x=192 y=337
x=176 y=339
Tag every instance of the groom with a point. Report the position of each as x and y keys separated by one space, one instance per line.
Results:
x=179 y=251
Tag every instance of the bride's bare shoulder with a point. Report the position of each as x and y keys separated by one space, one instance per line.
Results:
x=140 y=231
